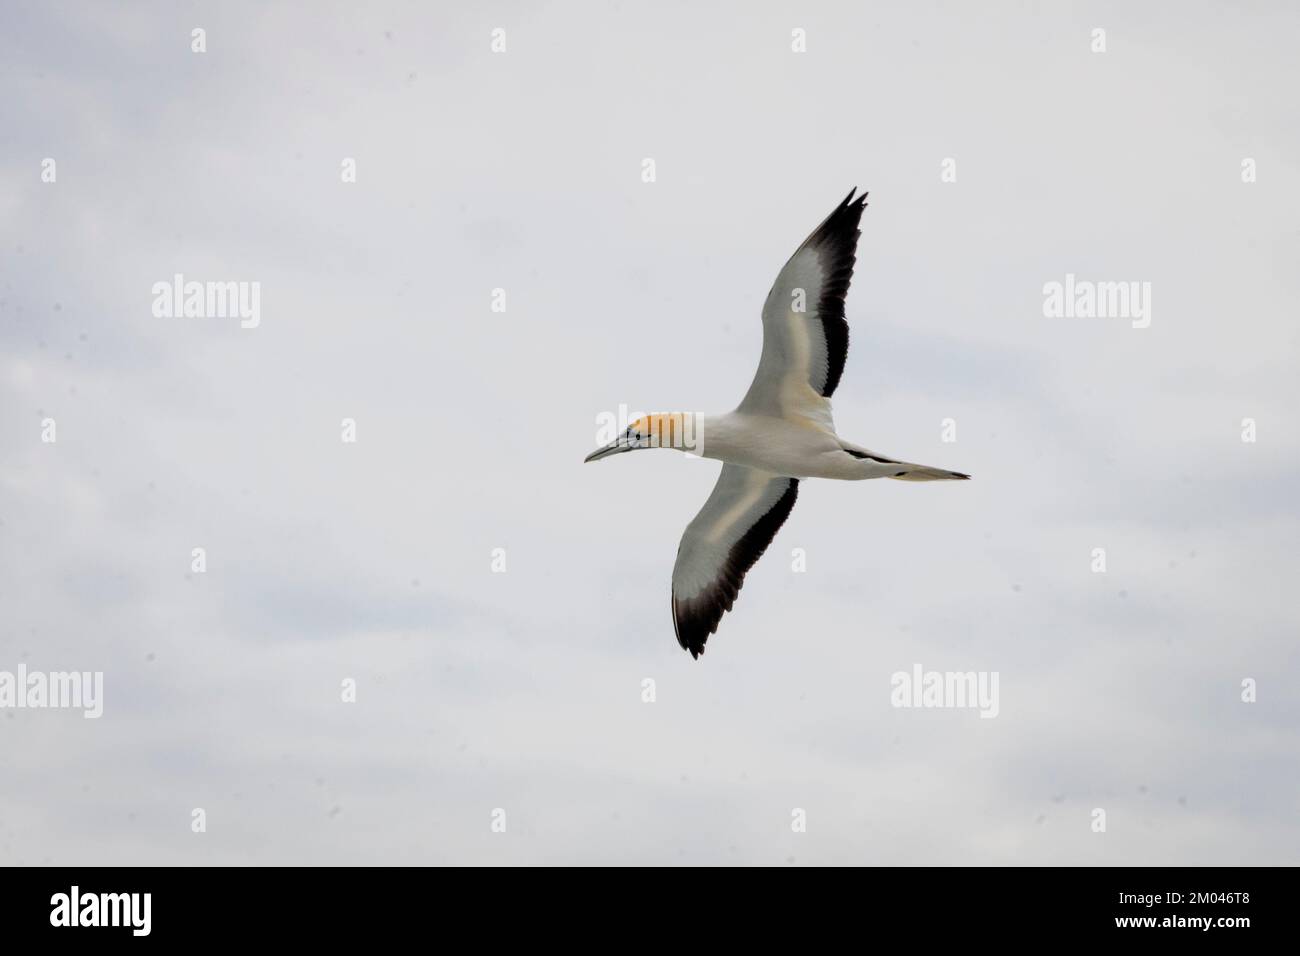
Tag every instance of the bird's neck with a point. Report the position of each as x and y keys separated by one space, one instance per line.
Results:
x=714 y=435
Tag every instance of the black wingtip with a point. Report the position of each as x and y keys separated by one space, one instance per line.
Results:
x=852 y=199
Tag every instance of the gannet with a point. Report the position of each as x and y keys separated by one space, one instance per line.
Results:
x=781 y=433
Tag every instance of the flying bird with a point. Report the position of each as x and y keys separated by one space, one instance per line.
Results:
x=781 y=433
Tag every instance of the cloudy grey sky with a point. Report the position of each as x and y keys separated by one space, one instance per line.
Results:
x=523 y=690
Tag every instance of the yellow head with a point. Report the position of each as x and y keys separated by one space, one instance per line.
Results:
x=680 y=430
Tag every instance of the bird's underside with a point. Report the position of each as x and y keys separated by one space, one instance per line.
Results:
x=781 y=432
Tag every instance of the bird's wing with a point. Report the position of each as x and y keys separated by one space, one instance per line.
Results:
x=721 y=544
x=805 y=337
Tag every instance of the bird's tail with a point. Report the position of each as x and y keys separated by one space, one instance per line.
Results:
x=907 y=471
x=875 y=465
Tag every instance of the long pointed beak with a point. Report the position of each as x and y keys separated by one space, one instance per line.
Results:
x=613 y=448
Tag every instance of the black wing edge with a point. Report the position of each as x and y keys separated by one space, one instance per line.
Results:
x=837 y=239
x=696 y=618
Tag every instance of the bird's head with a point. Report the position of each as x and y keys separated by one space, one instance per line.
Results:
x=678 y=430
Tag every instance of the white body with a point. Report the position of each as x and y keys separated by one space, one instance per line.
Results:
x=792 y=447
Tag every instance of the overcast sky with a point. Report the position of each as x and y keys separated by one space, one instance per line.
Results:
x=523 y=690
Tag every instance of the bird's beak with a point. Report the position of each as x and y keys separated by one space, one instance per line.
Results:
x=613 y=448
